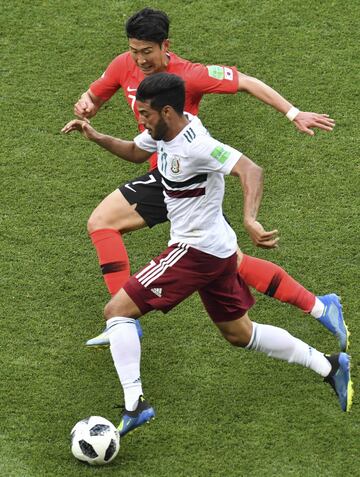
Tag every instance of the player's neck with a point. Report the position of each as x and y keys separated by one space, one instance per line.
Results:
x=176 y=127
x=165 y=62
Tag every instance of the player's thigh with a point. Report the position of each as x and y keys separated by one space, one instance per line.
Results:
x=237 y=332
x=115 y=212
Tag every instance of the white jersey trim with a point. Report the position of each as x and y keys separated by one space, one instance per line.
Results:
x=155 y=270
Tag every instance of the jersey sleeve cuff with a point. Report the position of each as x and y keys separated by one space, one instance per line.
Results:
x=230 y=163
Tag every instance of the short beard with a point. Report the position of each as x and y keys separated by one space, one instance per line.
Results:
x=160 y=131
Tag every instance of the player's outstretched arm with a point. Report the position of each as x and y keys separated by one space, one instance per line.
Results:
x=251 y=178
x=88 y=105
x=304 y=121
x=127 y=150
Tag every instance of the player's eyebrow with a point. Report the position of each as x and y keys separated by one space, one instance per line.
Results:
x=142 y=110
x=140 y=49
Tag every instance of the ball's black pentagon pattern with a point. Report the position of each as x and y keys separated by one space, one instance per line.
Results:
x=99 y=430
x=87 y=449
x=110 y=450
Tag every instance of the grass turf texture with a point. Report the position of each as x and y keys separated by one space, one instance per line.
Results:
x=220 y=411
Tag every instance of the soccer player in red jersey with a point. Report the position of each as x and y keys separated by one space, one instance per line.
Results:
x=201 y=254
x=140 y=202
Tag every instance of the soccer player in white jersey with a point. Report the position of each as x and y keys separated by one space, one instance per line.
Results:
x=201 y=255
x=140 y=202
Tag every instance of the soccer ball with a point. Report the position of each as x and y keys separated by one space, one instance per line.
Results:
x=95 y=440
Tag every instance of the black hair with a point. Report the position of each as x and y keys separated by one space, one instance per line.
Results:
x=148 y=25
x=163 y=89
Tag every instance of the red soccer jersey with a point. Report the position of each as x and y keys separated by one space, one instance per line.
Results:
x=199 y=80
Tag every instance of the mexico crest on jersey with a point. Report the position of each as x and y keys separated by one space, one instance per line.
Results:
x=175 y=165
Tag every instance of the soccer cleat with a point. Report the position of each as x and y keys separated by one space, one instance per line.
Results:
x=100 y=341
x=131 y=420
x=340 y=379
x=333 y=319
x=103 y=339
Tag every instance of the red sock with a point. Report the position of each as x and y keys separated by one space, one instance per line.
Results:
x=113 y=258
x=269 y=278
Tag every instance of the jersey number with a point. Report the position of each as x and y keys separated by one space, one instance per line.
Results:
x=132 y=98
x=150 y=181
x=163 y=162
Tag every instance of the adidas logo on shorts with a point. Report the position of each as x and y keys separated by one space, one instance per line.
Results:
x=157 y=291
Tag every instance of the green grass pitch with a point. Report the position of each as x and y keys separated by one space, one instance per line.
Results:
x=220 y=411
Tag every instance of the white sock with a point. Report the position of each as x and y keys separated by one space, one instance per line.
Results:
x=126 y=352
x=280 y=344
x=318 y=309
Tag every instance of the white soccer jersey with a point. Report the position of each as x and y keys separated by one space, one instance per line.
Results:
x=193 y=166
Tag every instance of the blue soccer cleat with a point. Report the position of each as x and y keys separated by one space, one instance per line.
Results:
x=103 y=339
x=333 y=319
x=130 y=420
x=340 y=379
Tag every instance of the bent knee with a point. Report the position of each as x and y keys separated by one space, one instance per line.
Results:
x=95 y=222
x=114 y=212
x=123 y=218
x=101 y=219
x=121 y=305
x=110 y=310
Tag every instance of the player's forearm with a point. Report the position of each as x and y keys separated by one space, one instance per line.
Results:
x=124 y=149
x=264 y=93
x=253 y=191
x=252 y=180
x=97 y=101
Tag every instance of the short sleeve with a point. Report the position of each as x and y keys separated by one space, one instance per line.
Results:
x=214 y=156
x=145 y=142
x=110 y=81
x=212 y=79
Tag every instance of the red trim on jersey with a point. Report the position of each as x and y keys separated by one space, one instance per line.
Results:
x=181 y=194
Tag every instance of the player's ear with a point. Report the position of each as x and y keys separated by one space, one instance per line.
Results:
x=165 y=45
x=166 y=111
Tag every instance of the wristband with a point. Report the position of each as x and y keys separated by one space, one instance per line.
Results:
x=292 y=113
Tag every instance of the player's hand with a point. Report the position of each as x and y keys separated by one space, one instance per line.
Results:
x=85 y=107
x=304 y=121
x=81 y=125
x=260 y=237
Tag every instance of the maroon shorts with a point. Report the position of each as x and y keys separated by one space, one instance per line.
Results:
x=180 y=271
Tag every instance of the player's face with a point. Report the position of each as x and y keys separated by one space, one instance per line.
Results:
x=149 y=56
x=152 y=121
